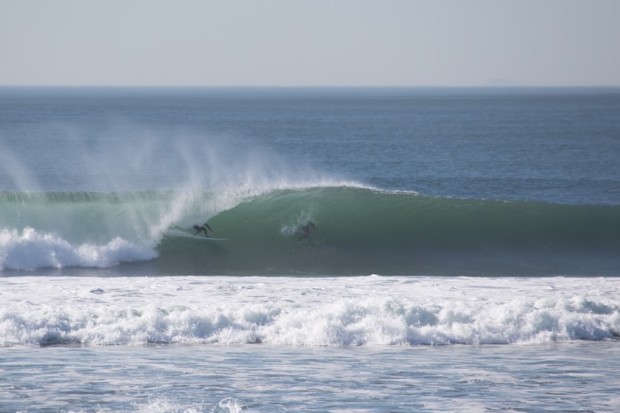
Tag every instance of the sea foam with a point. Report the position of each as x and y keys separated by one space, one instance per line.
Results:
x=347 y=311
x=29 y=249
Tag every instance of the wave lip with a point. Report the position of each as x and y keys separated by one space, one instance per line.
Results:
x=29 y=250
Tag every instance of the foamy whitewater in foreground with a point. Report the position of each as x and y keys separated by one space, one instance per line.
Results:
x=280 y=344
x=348 y=311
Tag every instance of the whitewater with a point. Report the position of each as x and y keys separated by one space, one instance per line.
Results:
x=307 y=311
x=379 y=250
x=265 y=344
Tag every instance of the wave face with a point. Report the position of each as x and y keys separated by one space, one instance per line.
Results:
x=356 y=230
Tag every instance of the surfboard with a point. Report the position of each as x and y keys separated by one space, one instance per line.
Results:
x=182 y=234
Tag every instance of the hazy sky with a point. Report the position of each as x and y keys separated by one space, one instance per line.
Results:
x=310 y=42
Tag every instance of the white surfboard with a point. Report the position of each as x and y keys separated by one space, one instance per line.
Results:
x=182 y=234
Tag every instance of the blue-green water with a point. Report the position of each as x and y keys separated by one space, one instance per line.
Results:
x=397 y=181
x=556 y=145
x=491 y=216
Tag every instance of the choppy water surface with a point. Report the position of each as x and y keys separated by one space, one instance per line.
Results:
x=575 y=377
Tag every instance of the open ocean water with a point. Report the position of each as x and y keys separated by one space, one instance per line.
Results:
x=381 y=250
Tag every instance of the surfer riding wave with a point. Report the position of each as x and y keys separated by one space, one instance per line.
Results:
x=202 y=228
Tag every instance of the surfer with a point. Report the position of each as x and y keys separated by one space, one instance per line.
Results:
x=199 y=228
x=305 y=231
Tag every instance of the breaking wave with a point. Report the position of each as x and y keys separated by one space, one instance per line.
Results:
x=354 y=230
x=348 y=311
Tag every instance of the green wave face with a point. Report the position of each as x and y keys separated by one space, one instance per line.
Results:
x=361 y=231
x=321 y=230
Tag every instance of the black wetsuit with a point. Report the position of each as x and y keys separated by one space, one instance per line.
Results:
x=204 y=227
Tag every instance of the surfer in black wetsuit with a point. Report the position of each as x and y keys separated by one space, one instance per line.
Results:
x=305 y=231
x=199 y=228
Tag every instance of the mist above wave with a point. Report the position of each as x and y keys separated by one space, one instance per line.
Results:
x=106 y=195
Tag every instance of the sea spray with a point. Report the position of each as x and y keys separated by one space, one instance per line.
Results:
x=132 y=190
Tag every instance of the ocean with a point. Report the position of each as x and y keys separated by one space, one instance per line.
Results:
x=370 y=249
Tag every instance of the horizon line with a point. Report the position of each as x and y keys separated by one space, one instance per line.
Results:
x=490 y=86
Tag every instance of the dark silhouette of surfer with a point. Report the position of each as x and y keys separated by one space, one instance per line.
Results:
x=305 y=230
x=200 y=228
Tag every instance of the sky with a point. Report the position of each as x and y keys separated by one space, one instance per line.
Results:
x=310 y=42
